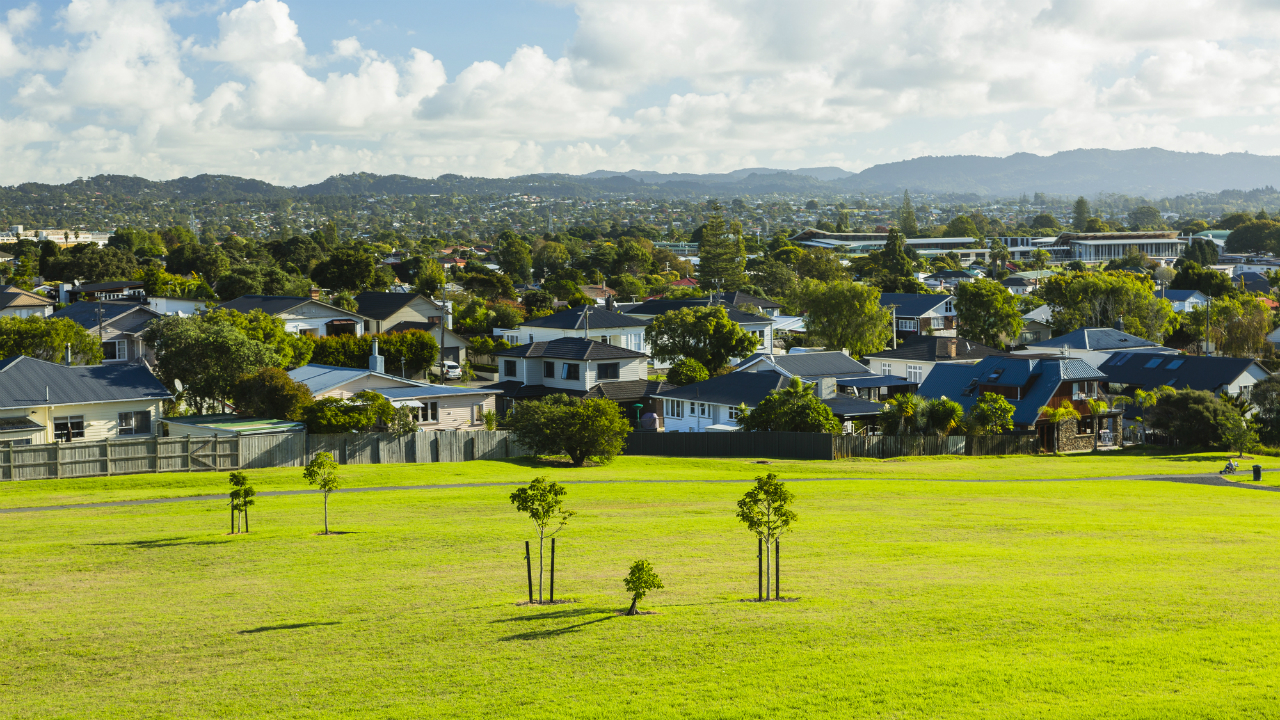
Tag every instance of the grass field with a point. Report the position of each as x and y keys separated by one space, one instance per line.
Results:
x=918 y=599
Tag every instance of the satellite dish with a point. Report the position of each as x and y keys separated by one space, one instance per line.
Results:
x=177 y=384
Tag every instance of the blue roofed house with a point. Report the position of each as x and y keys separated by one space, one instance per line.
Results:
x=1030 y=383
x=44 y=402
x=929 y=314
x=1227 y=376
x=118 y=325
x=1183 y=300
x=434 y=407
x=1095 y=345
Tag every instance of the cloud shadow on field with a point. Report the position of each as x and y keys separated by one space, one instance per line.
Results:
x=293 y=626
x=160 y=543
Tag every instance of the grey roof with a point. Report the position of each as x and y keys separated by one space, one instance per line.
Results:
x=578 y=318
x=849 y=406
x=1149 y=370
x=1042 y=314
x=871 y=380
x=276 y=304
x=134 y=321
x=628 y=389
x=14 y=296
x=1178 y=295
x=732 y=389
x=1015 y=281
x=112 y=285
x=407 y=393
x=816 y=364
x=911 y=304
x=950 y=274
x=25 y=381
x=1097 y=339
x=516 y=390
x=319 y=378
x=934 y=349
x=382 y=305
x=571 y=349
x=1039 y=378
x=657 y=306
x=85 y=313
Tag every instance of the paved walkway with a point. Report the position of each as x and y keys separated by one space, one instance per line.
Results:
x=1213 y=480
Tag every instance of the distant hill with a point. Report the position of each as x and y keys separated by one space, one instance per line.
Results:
x=1149 y=172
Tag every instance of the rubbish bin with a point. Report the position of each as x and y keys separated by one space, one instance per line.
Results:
x=1257 y=473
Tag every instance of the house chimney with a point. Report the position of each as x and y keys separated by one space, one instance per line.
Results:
x=826 y=388
x=376 y=362
x=1120 y=323
x=66 y=356
x=315 y=293
x=947 y=347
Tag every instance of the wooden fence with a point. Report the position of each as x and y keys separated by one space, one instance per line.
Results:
x=819 y=446
x=196 y=453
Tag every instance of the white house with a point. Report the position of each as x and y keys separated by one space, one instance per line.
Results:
x=43 y=402
x=915 y=357
x=573 y=366
x=302 y=315
x=585 y=321
x=1183 y=300
x=16 y=302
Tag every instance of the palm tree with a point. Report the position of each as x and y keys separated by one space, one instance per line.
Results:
x=1097 y=406
x=904 y=414
x=1060 y=414
x=942 y=416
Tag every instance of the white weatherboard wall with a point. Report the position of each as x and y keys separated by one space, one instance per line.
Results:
x=693 y=419
x=529 y=372
x=101 y=420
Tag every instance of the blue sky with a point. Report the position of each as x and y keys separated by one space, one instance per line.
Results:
x=295 y=92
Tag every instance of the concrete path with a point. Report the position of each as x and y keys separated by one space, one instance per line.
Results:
x=1212 y=480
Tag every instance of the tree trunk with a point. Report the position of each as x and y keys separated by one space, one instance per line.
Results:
x=632 y=609
x=768 y=576
x=233 y=518
x=326 y=513
x=540 y=542
x=246 y=518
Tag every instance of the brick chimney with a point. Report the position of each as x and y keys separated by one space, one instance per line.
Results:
x=315 y=293
x=947 y=347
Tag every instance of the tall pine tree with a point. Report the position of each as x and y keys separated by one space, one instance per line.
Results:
x=1080 y=214
x=907 y=216
x=721 y=257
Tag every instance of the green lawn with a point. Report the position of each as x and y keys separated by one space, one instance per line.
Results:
x=1116 y=599
x=1017 y=467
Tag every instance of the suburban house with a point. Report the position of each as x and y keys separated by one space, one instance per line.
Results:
x=851 y=377
x=1030 y=383
x=741 y=300
x=1254 y=282
x=1094 y=345
x=757 y=325
x=176 y=305
x=573 y=366
x=1183 y=300
x=1037 y=326
x=1018 y=285
x=949 y=278
x=713 y=405
x=302 y=315
x=43 y=402
x=928 y=314
x=435 y=407
x=115 y=290
x=389 y=312
x=584 y=321
x=915 y=357
x=16 y=302
x=1234 y=377
x=118 y=325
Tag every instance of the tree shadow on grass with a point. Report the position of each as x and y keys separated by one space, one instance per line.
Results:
x=558 y=615
x=293 y=626
x=161 y=543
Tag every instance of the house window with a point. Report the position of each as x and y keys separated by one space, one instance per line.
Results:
x=938 y=323
x=548 y=369
x=66 y=429
x=915 y=373
x=569 y=371
x=734 y=414
x=947 y=307
x=115 y=351
x=673 y=408
x=133 y=423
x=607 y=371
x=432 y=412
x=911 y=325
x=477 y=413
x=886 y=368
x=703 y=410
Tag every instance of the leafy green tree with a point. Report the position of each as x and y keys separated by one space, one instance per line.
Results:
x=705 y=334
x=904 y=414
x=962 y=226
x=206 y=358
x=775 y=278
x=411 y=352
x=687 y=371
x=293 y=350
x=514 y=257
x=943 y=416
x=241 y=500
x=429 y=278
x=1191 y=276
x=987 y=313
x=1233 y=221
x=91 y=264
x=365 y=411
x=271 y=393
x=820 y=264
x=552 y=256
x=582 y=429
x=1238 y=326
x=1096 y=225
x=543 y=502
x=639 y=581
x=907 y=221
x=721 y=257
x=1058 y=414
x=1080 y=215
x=1145 y=217
x=1045 y=221
x=322 y=472
x=1190 y=417
x=1148 y=399
x=846 y=315
x=1254 y=236
x=1040 y=259
x=1265 y=395
x=764 y=510
x=1237 y=433
x=1200 y=251
x=992 y=414
x=46 y=338
x=793 y=409
x=346 y=268
x=1099 y=299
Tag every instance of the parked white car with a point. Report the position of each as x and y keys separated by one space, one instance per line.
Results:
x=452 y=370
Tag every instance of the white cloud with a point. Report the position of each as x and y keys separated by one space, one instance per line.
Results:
x=840 y=82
